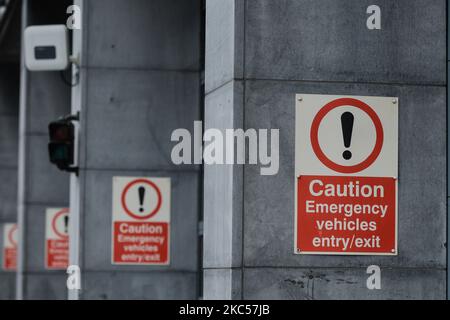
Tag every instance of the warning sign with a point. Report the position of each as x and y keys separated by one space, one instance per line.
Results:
x=57 y=238
x=141 y=221
x=346 y=175
x=10 y=240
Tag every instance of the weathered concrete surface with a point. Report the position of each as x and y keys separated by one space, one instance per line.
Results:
x=448 y=148
x=148 y=285
x=153 y=34
x=141 y=104
x=222 y=284
x=141 y=80
x=49 y=286
x=324 y=47
x=343 y=284
x=7 y=286
x=328 y=41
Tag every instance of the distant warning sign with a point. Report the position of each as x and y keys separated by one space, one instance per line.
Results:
x=346 y=160
x=10 y=240
x=57 y=238
x=141 y=221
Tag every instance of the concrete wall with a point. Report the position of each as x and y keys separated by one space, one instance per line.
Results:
x=259 y=54
x=45 y=186
x=140 y=81
x=9 y=110
x=448 y=147
x=47 y=98
x=9 y=129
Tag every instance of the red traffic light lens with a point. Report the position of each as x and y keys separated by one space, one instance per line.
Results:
x=61 y=132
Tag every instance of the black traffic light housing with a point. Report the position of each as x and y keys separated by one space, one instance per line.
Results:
x=62 y=143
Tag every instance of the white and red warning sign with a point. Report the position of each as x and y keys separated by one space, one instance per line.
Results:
x=57 y=238
x=141 y=221
x=10 y=240
x=346 y=162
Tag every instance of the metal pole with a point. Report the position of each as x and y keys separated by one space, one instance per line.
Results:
x=21 y=163
x=75 y=215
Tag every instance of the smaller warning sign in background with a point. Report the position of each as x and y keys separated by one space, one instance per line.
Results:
x=141 y=221
x=57 y=238
x=346 y=162
x=10 y=240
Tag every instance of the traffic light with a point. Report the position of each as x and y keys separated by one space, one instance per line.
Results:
x=62 y=144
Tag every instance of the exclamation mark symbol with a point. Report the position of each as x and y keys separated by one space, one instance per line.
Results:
x=347 y=120
x=141 y=192
x=66 y=224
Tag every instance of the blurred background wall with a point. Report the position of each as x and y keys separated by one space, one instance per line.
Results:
x=141 y=78
x=45 y=97
x=9 y=129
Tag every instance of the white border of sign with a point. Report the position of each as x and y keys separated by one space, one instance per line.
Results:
x=299 y=98
x=166 y=198
x=49 y=216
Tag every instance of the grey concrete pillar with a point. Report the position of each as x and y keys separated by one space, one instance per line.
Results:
x=45 y=98
x=140 y=81
x=45 y=185
x=323 y=47
x=448 y=149
x=9 y=106
x=9 y=123
x=224 y=109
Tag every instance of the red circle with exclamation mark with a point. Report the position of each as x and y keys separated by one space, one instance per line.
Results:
x=141 y=198
x=347 y=154
x=55 y=228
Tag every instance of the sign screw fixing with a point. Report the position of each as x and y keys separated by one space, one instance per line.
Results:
x=394 y=101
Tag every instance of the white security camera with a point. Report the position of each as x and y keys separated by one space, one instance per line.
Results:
x=46 y=48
